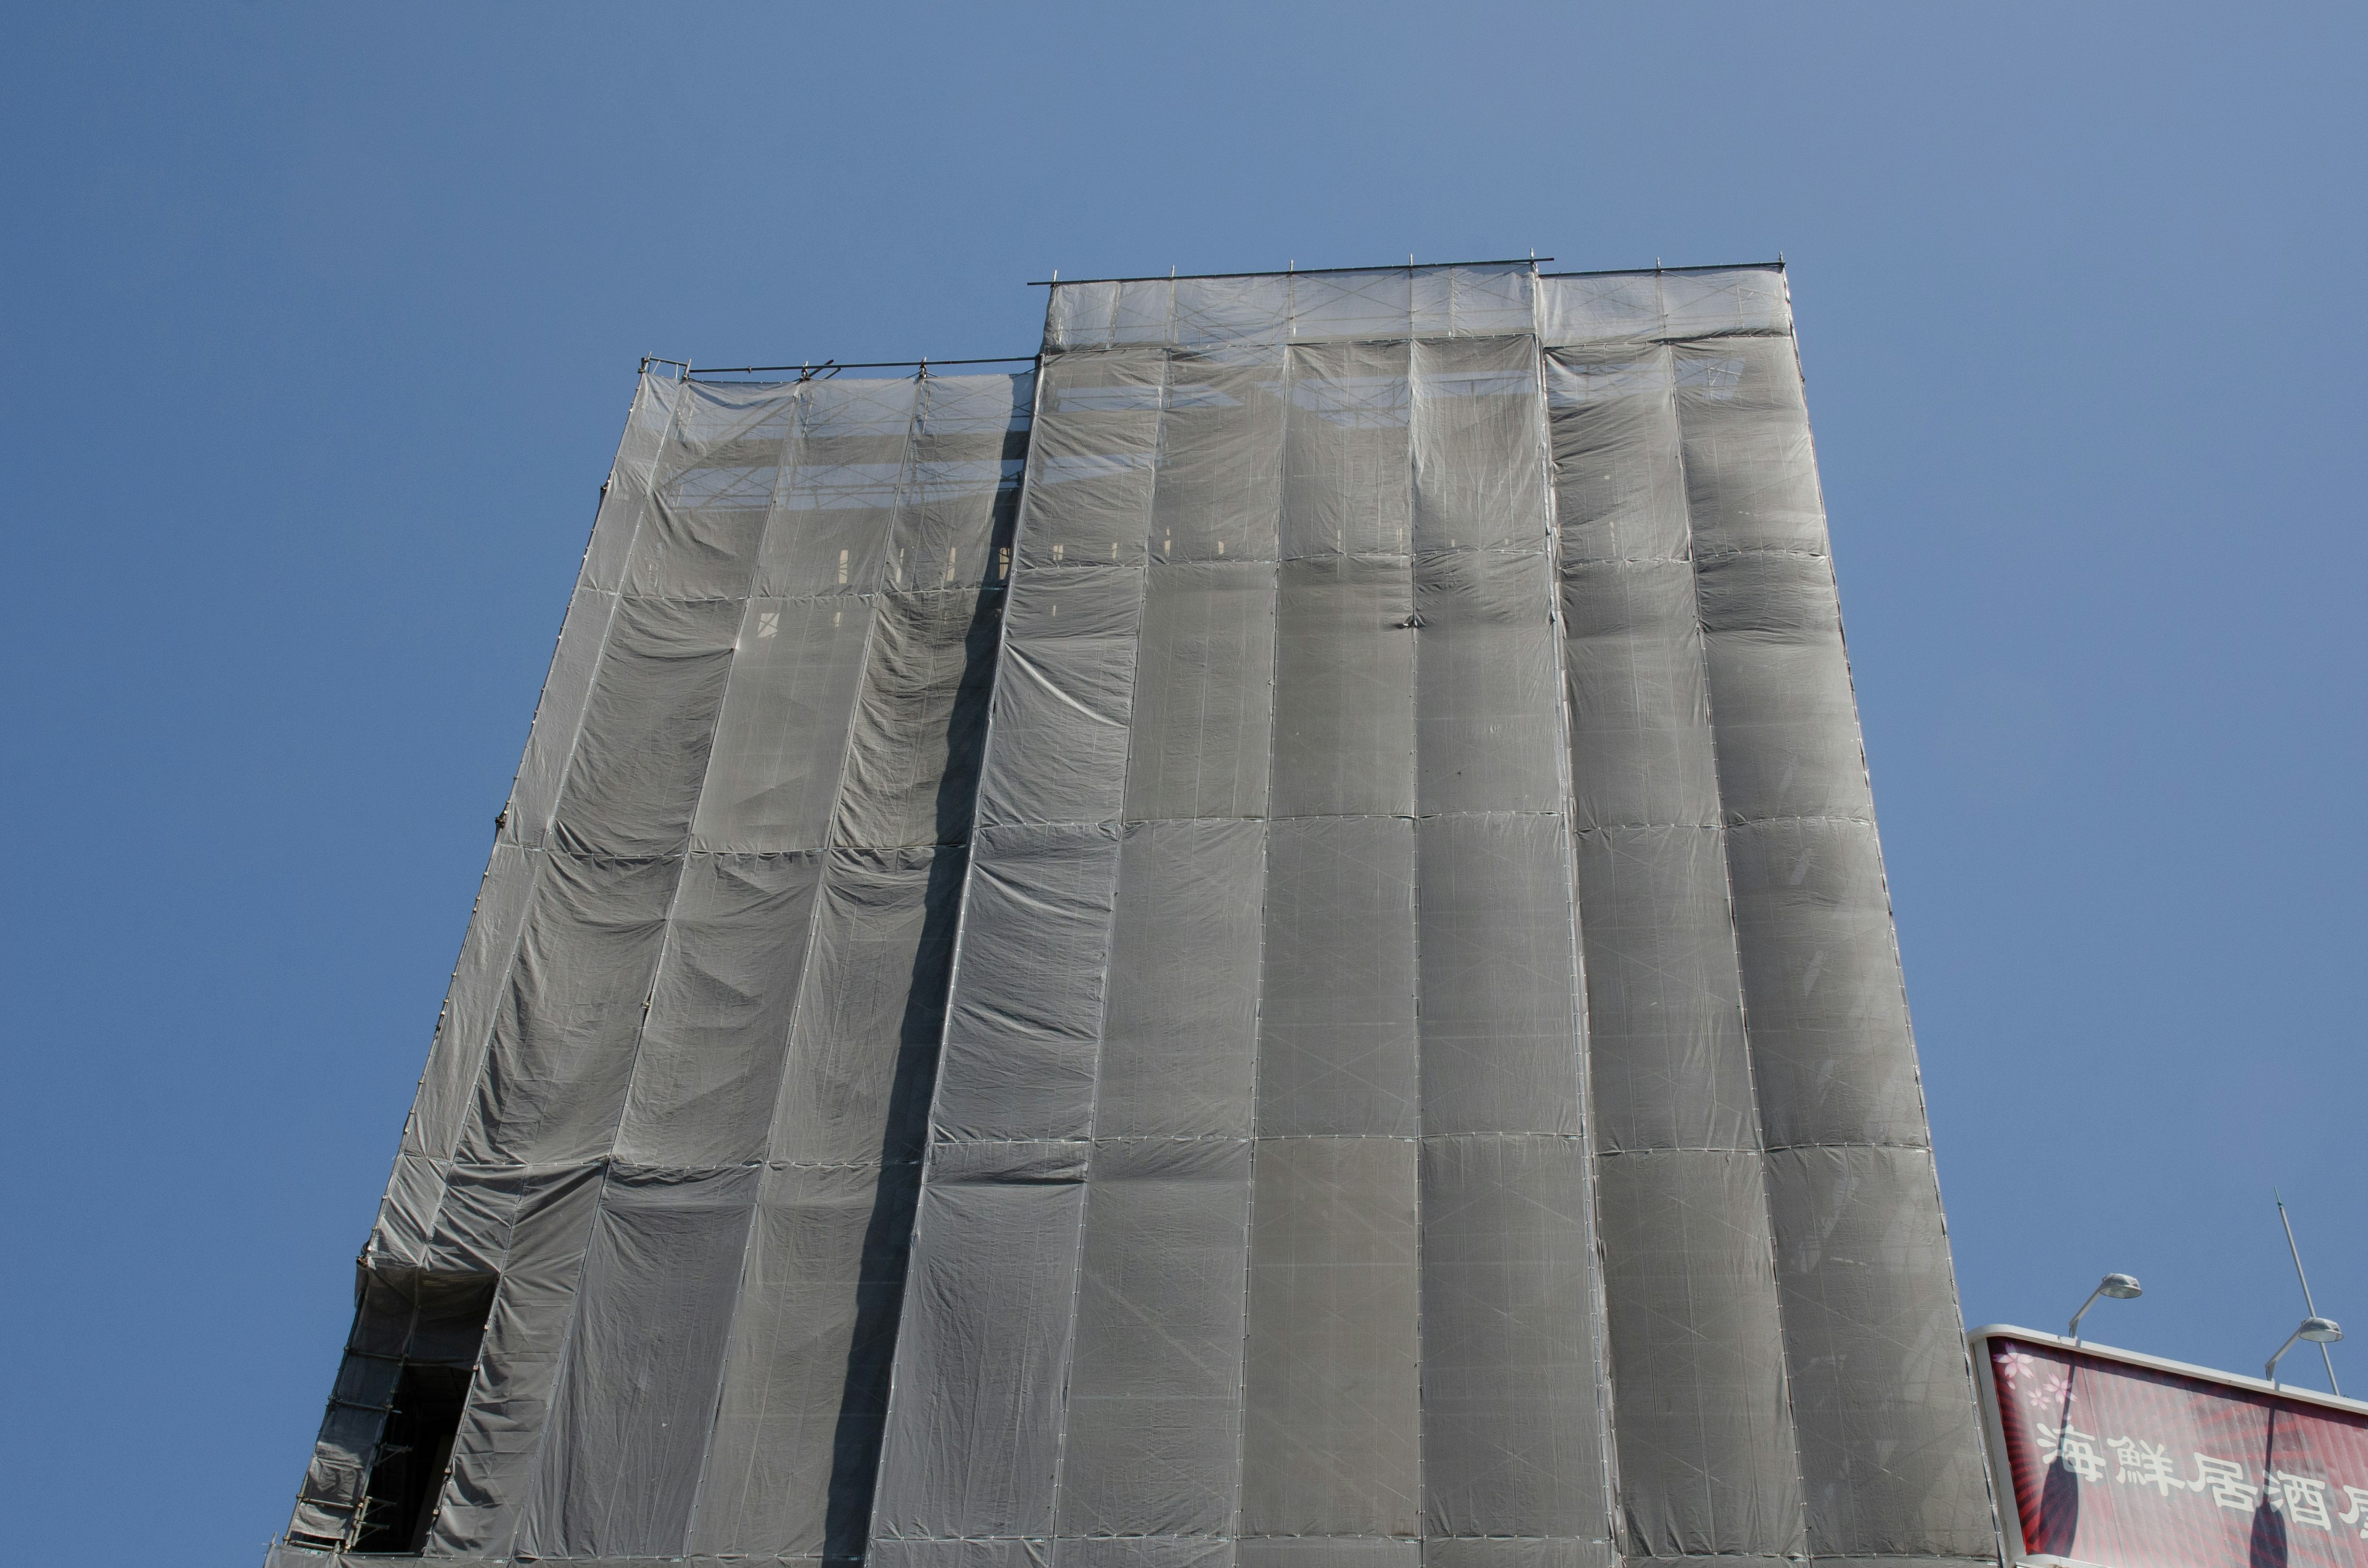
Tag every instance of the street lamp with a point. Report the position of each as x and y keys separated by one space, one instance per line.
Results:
x=2120 y=1286
x=2321 y=1330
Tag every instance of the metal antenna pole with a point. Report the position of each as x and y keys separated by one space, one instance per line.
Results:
x=2307 y=1305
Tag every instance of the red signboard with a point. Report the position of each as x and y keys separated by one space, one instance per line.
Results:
x=2131 y=1462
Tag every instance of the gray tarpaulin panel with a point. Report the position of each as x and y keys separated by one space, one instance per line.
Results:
x=1092 y=459
x=954 y=514
x=861 y=1058
x=476 y=1220
x=1500 y=991
x=719 y=1020
x=1330 y=1431
x=1180 y=1037
x=1829 y=1035
x=1641 y=749
x=1153 y=1440
x=407 y=1215
x=620 y=1463
x=1485 y=693
x=545 y=1221
x=1695 y=1353
x=1687 y=302
x=1337 y=1034
x=1709 y=302
x=1483 y=298
x=848 y=457
x=889 y=1551
x=1513 y=1424
x=1344 y=710
x=448 y=1319
x=790 y=1472
x=624 y=498
x=1329 y=1551
x=1226 y=1161
x=984 y=1341
x=635 y=779
x=793 y=1467
x=1620 y=483
x=332 y=1491
x=1779 y=685
x=781 y=737
x=1664 y=1000
x=716 y=480
x=1203 y=692
x=1503 y=1552
x=1479 y=478
x=931 y=664
x=1348 y=470
x=559 y=718
x=1142 y=1551
x=1892 y=1452
x=1064 y=692
x=563 y=1043
x=471 y=1002
x=1026 y=1014
x=1219 y=491
x=698 y=538
x=1751 y=478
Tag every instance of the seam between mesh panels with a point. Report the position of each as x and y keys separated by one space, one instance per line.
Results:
x=1415 y=431
x=1599 y=1329
x=1258 y=1000
x=1738 y=551
x=1723 y=825
x=1647 y=1149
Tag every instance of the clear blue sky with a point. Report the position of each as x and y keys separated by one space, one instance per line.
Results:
x=321 y=323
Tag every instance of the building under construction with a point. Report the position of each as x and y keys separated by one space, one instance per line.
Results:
x=1259 y=942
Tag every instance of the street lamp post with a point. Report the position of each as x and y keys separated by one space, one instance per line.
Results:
x=2120 y=1286
x=2319 y=1330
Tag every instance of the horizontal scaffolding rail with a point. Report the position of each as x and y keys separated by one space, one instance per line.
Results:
x=1639 y=271
x=810 y=370
x=828 y=367
x=1294 y=271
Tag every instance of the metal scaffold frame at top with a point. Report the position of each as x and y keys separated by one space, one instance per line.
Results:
x=826 y=369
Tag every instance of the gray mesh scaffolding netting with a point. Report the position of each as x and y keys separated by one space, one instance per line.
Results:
x=1263 y=945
